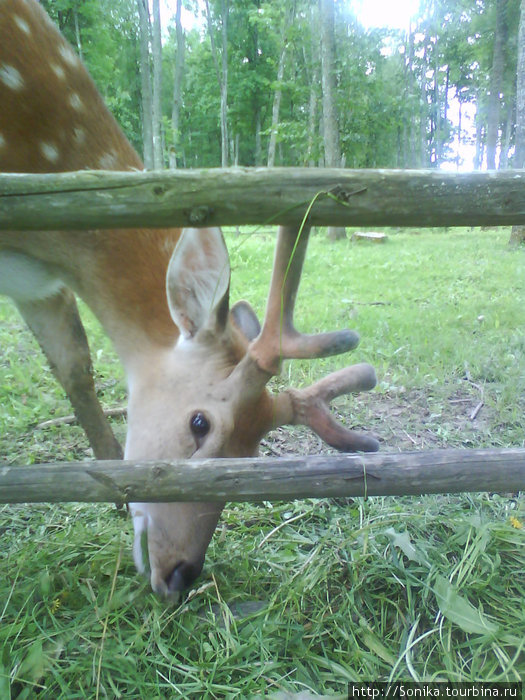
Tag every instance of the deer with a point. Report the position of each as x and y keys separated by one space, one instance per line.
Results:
x=197 y=370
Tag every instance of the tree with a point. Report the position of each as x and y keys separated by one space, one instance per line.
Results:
x=174 y=152
x=222 y=72
x=77 y=32
x=332 y=150
x=158 y=159
x=496 y=84
x=277 y=95
x=517 y=236
x=311 y=149
x=145 y=77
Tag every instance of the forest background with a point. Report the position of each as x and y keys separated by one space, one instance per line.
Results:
x=303 y=83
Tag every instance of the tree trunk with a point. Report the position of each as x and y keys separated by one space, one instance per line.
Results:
x=460 y=114
x=224 y=84
x=312 y=148
x=436 y=117
x=423 y=152
x=258 y=143
x=409 y=123
x=496 y=84
x=517 y=236
x=255 y=156
x=519 y=161
x=237 y=144
x=312 y=118
x=174 y=157
x=480 y=133
x=77 y=34
x=332 y=149
x=506 y=136
x=145 y=81
x=222 y=73
x=158 y=160
x=441 y=118
x=277 y=95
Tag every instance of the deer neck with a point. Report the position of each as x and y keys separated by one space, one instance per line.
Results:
x=53 y=119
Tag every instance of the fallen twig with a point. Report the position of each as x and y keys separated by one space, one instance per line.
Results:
x=67 y=420
x=475 y=412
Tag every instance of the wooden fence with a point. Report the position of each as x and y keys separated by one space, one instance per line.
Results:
x=261 y=479
x=96 y=199
x=87 y=200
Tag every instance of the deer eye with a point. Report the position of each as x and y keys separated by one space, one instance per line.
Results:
x=199 y=424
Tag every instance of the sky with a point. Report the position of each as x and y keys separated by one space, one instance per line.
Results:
x=385 y=13
x=371 y=13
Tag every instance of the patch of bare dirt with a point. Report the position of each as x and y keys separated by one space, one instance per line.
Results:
x=403 y=420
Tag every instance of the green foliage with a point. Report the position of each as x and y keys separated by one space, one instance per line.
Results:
x=393 y=90
x=310 y=595
x=107 y=40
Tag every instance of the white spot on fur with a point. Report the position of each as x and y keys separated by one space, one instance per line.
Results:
x=49 y=151
x=76 y=102
x=79 y=135
x=108 y=161
x=68 y=55
x=11 y=77
x=58 y=71
x=2 y=140
x=22 y=24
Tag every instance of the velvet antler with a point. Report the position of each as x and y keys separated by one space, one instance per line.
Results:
x=279 y=340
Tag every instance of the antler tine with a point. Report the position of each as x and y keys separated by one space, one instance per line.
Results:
x=310 y=407
x=279 y=339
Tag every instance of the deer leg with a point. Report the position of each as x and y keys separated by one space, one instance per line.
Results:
x=56 y=324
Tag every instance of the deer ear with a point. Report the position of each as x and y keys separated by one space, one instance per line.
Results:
x=198 y=281
x=245 y=319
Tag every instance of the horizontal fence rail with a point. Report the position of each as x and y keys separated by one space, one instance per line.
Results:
x=260 y=479
x=237 y=196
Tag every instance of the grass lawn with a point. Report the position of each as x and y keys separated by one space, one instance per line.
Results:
x=300 y=597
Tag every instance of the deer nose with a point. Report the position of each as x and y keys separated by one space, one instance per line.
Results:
x=183 y=575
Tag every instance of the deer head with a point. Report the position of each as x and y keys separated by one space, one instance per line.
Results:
x=197 y=370
x=218 y=372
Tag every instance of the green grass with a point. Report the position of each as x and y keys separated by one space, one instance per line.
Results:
x=310 y=595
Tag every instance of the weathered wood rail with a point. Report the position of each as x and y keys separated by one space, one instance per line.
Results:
x=94 y=199
x=259 y=479
x=235 y=196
